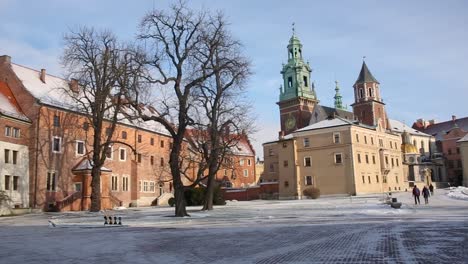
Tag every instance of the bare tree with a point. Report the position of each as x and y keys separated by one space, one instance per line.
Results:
x=105 y=72
x=223 y=114
x=182 y=44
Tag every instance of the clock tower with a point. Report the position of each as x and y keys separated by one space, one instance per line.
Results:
x=297 y=94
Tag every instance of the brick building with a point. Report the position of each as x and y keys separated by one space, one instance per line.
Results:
x=136 y=170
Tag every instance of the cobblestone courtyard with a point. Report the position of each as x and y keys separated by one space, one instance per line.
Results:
x=328 y=230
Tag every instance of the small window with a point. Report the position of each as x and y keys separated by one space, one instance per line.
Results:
x=56 y=121
x=16 y=132
x=241 y=162
x=270 y=152
x=365 y=139
x=393 y=164
x=162 y=144
x=305 y=81
x=361 y=93
x=246 y=173
x=122 y=154
x=15 y=183
x=125 y=184
x=56 y=144
x=377 y=178
x=249 y=162
x=372 y=140
x=386 y=160
x=7 y=131
x=336 y=138
x=373 y=159
x=162 y=162
x=368 y=178
x=145 y=186
x=152 y=160
x=139 y=138
x=396 y=178
x=290 y=84
x=338 y=158
x=363 y=179
x=367 y=159
x=384 y=179
x=139 y=157
x=124 y=134
x=109 y=152
x=7 y=182
x=50 y=181
x=114 y=183
x=286 y=184
x=357 y=137
x=85 y=126
x=308 y=180
x=15 y=156
x=285 y=163
x=307 y=162
x=306 y=142
x=80 y=149
x=397 y=163
x=285 y=144
x=152 y=141
x=359 y=158
x=152 y=186
x=7 y=156
x=370 y=92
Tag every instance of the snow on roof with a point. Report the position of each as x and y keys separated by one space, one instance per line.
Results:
x=242 y=149
x=8 y=105
x=400 y=127
x=54 y=92
x=463 y=139
x=326 y=124
x=87 y=164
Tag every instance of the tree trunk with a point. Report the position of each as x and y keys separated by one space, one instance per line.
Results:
x=180 y=204
x=95 y=189
x=209 y=193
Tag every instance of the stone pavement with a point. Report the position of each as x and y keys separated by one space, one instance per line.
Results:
x=437 y=234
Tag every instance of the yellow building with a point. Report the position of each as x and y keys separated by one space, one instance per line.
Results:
x=463 y=145
x=338 y=156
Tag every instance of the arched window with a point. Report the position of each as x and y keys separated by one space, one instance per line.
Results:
x=370 y=92
x=361 y=93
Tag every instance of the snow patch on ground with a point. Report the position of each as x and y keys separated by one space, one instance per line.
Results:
x=459 y=193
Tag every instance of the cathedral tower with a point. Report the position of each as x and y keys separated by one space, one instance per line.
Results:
x=368 y=106
x=297 y=95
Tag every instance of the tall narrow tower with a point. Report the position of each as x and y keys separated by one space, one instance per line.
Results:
x=297 y=97
x=368 y=106
x=338 y=97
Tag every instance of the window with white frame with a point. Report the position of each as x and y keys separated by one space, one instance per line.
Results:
x=308 y=180
x=307 y=162
x=122 y=154
x=152 y=186
x=241 y=162
x=114 y=183
x=56 y=144
x=249 y=162
x=338 y=158
x=80 y=148
x=246 y=173
x=50 y=183
x=16 y=132
x=306 y=143
x=145 y=186
x=7 y=131
x=125 y=183
x=336 y=138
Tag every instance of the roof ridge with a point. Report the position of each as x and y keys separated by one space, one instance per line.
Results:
x=38 y=71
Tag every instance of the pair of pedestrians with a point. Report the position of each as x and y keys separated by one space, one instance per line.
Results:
x=425 y=192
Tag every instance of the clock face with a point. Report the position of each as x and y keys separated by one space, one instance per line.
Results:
x=290 y=122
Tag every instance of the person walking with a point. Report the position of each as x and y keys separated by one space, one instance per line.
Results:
x=431 y=188
x=426 y=194
x=416 y=194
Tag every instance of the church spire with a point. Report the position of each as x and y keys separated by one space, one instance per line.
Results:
x=338 y=97
x=365 y=76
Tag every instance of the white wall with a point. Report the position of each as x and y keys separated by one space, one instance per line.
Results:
x=21 y=168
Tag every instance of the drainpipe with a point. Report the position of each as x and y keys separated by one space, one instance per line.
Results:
x=37 y=157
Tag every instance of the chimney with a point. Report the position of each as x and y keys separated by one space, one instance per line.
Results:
x=42 y=76
x=74 y=86
x=5 y=59
x=454 y=118
x=281 y=134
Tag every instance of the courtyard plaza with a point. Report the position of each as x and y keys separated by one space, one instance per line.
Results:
x=328 y=230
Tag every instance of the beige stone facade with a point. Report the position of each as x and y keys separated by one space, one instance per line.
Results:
x=337 y=156
x=463 y=145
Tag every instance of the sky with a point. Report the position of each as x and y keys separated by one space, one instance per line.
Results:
x=417 y=50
